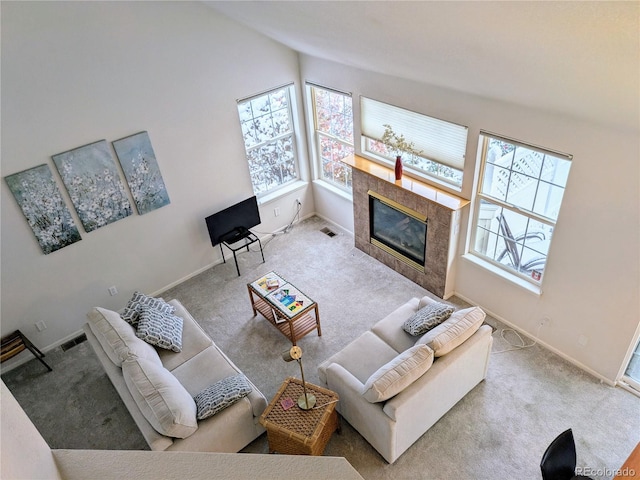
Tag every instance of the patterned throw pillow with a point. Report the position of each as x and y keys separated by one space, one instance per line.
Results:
x=221 y=394
x=132 y=310
x=161 y=329
x=427 y=318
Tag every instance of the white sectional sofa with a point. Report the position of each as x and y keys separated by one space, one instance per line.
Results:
x=394 y=386
x=163 y=408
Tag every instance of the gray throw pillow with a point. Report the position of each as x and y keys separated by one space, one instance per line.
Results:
x=221 y=395
x=427 y=318
x=138 y=300
x=161 y=329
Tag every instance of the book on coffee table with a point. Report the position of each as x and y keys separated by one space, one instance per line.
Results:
x=269 y=283
x=289 y=300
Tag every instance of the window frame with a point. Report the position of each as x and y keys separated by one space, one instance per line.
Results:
x=291 y=133
x=503 y=269
x=317 y=135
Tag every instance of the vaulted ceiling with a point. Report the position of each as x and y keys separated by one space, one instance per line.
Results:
x=575 y=58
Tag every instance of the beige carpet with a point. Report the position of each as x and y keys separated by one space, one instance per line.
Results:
x=498 y=431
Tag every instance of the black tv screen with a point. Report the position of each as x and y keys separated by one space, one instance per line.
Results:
x=233 y=222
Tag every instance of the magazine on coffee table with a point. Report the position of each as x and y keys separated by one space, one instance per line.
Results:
x=289 y=300
x=269 y=283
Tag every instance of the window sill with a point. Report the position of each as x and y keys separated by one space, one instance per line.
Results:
x=333 y=189
x=520 y=282
x=281 y=192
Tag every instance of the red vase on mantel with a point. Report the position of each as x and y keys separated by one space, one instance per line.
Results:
x=398 y=167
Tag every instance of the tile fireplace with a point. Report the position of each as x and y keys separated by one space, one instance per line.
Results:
x=406 y=224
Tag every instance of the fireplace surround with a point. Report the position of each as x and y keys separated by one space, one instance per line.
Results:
x=440 y=210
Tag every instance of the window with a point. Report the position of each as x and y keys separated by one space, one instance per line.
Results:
x=267 y=129
x=442 y=144
x=333 y=126
x=519 y=196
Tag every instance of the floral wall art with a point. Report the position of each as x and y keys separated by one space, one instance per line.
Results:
x=142 y=172
x=91 y=177
x=40 y=200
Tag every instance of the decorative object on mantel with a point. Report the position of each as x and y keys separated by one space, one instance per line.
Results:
x=40 y=200
x=398 y=144
x=142 y=172
x=94 y=185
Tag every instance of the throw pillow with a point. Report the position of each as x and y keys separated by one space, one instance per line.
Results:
x=454 y=331
x=131 y=312
x=162 y=399
x=160 y=328
x=398 y=374
x=428 y=317
x=220 y=395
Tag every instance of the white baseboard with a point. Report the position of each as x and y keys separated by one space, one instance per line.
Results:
x=569 y=359
x=23 y=357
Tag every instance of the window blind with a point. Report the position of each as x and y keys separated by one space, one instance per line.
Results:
x=440 y=141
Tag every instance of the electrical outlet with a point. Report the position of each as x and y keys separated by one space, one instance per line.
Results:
x=113 y=291
x=298 y=202
x=40 y=326
x=544 y=321
x=276 y=212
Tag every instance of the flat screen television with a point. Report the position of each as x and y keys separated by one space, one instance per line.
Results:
x=233 y=223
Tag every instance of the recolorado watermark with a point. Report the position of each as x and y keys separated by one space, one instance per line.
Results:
x=606 y=472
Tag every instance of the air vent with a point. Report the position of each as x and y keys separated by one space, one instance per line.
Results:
x=72 y=343
x=328 y=231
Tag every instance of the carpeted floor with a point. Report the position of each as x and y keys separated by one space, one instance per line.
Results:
x=499 y=430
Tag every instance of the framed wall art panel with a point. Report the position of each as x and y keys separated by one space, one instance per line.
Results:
x=91 y=177
x=42 y=204
x=142 y=172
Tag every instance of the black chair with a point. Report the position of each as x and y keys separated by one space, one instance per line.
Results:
x=559 y=460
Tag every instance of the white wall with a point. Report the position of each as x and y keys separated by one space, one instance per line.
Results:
x=77 y=72
x=592 y=279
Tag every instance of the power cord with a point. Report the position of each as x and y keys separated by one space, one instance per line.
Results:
x=514 y=346
x=286 y=229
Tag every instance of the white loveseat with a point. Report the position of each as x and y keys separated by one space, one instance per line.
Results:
x=394 y=386
x=166 y=403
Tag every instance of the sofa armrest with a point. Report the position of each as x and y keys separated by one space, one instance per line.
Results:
x=367 y=418
x=155 y=440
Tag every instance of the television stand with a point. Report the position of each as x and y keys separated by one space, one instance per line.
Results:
x=237 y=239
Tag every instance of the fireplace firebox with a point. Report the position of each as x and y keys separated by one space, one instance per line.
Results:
x=398 y=230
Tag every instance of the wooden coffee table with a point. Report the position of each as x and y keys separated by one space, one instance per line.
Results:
x=292 y=312
x=300 y=432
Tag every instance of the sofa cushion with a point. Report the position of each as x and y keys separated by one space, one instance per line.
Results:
x=390 y=329
x=428 y=317
x=160 y=328
x=398 y=374
x=358 y=357
x=453 y=331
x=208 y=367
x=118 y=338
x=221 y=394
x=194 y=341
x=163 y=401
x=131 y=312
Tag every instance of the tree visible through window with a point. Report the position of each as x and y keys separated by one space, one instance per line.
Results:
x=333 y=122
x=519 y=198
x=268 y=132
x=441 y=144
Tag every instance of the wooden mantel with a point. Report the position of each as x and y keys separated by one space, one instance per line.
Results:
x=441 y=197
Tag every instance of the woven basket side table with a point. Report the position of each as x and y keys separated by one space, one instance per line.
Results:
x=300 y=432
